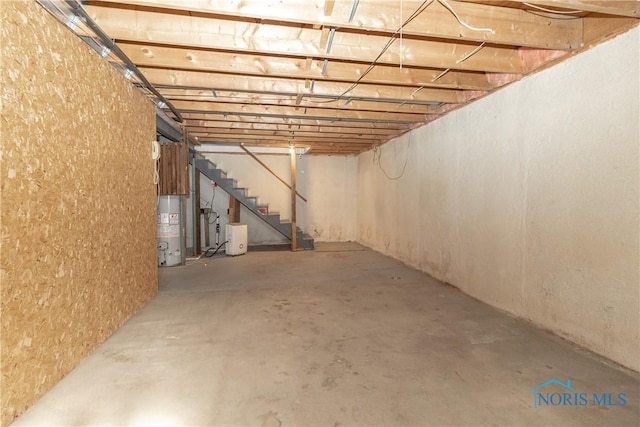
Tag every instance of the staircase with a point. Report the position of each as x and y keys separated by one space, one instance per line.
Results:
x=210 y=170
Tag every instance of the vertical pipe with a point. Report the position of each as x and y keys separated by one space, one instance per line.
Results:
x=294 y=231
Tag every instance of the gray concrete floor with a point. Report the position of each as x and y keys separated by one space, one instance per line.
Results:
x=336 y=337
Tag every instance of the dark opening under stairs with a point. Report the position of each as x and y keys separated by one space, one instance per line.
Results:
x=211 y=171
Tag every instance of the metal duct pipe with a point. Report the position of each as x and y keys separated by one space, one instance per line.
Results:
x=77 y=8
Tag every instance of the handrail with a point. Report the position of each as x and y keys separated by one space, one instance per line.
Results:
x=270 y=171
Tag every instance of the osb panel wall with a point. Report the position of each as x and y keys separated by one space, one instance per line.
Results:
x=77 y=203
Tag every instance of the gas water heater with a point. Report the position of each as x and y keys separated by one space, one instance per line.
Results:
x=170 y=251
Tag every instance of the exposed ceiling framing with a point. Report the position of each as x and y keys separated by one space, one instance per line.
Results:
x=342 y=76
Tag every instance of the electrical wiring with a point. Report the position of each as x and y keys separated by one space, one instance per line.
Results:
x=377 y=156
x=156 y=172
x=440 y=75
x=464 y=24
x=418 y=11
x=551 y=16
x=386 y=47
x=469 y=55
x=464 y=58
x=156 y=179
x=213 y=197
x=559 y=12
x=212 y=221
x=208 y=252
x=209 y=205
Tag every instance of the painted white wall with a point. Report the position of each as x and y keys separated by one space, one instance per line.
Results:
x=328 y=183
x=527 y=199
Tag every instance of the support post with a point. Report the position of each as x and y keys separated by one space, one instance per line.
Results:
x=197 y=217
x=183 y=231
x=207 y=234
x=294 y=231
x=234 y=209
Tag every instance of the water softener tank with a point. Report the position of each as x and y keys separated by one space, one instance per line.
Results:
x=169 y=231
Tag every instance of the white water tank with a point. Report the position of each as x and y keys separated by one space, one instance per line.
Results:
x=236 y=239
x=170 y=231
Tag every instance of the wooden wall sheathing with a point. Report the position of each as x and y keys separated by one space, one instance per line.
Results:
x=174 y=168
x=78 y=203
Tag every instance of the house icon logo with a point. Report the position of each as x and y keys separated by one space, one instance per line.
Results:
x=539 y=397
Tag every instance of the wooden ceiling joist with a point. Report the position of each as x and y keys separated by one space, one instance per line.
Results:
x=303 y=139
x=299 y=101
x=628 y=8
x=294 y=121
x=201 y=125
x=237 y=83
x=292 y=67
x=272 y=110
x=329 y=148
x=435 y=21
x=271 y=39
x=242 y=133
x=343 y=76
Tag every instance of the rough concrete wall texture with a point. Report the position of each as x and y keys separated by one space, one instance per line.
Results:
x=77 y=202
x=327 y=182
x=527 y=199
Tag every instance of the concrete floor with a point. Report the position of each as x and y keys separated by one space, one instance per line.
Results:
x=336 y=337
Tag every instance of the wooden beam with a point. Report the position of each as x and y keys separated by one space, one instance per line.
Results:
x=261 y=163
x=315 y=148
x=197 y=217
x=328 y=7
x=291 y=87
x=324 y=37
x=294 y=231
x=235 y=138
x=296 y=121
x=328 y=134
x=298 y=101
x=203 y=125
x=209 y=33
x=510 y=26
x=292 y=67
x=282 y=142
x=299 y=139
x=597 y=29
x=628 y=8
x=271 y=110
x=324 y=148
x=234 y=209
